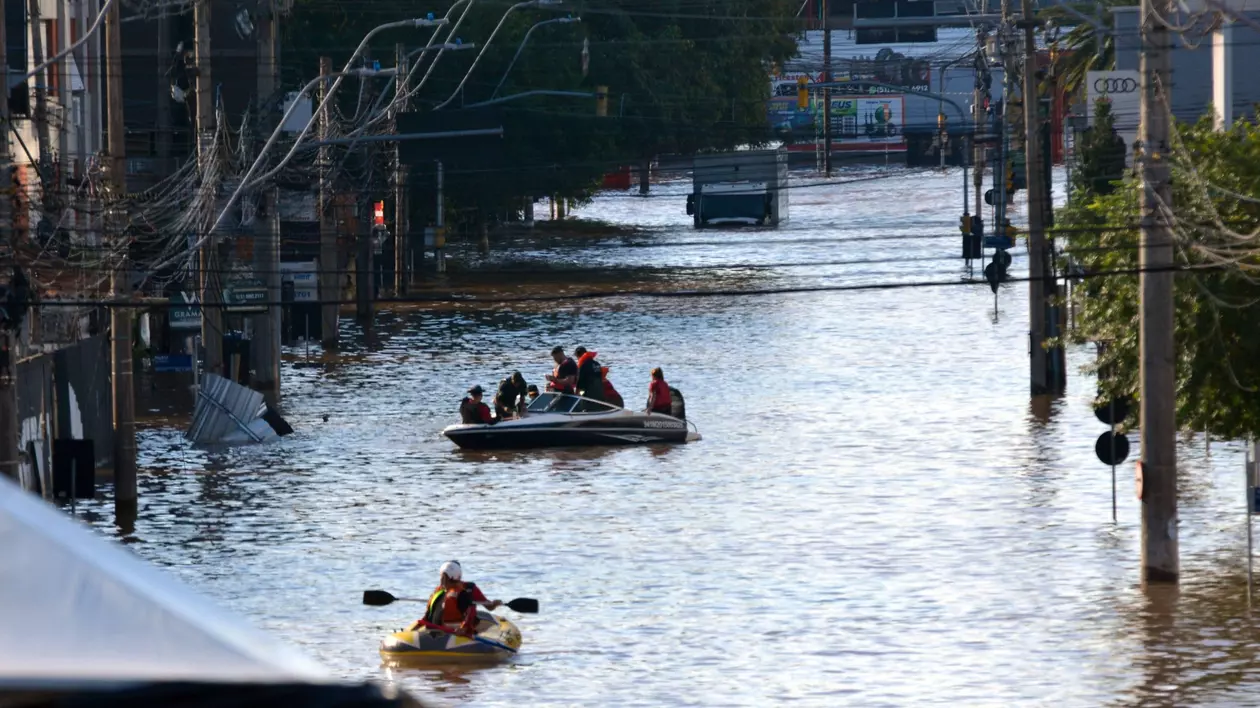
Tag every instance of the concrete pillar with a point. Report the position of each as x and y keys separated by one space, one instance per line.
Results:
x=1223 y=40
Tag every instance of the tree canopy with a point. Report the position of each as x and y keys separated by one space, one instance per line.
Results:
x=1216 y=199
x=682 y=77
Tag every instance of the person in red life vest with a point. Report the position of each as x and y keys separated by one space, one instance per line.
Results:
x=454 y=602
x=590 y=380
x=658 y=393
x=610 y=393
x=564 y=378
x=472 y=410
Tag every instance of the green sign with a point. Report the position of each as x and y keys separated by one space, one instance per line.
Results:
x=184 y=314
x=245 y=295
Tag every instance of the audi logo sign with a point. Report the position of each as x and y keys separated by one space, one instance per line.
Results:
x=1115 y=85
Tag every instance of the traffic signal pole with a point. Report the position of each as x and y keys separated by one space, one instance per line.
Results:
x=826 y=89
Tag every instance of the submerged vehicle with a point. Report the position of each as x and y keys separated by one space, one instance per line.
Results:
x=500 y=640
x=564 y=420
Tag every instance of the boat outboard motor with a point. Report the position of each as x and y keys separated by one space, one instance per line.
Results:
x=677 y=407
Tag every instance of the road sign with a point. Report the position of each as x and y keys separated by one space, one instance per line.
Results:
x=1106 y=414
x=1112 y=448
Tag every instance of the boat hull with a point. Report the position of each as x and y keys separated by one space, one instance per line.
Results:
x=432 y=647
x=513 y=435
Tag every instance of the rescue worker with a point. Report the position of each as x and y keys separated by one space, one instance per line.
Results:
x=590 y=377
x=610 y=393
x=658 y=394
x=454 y=602
x=510 y=397
x=472 y=410
x=563 y=378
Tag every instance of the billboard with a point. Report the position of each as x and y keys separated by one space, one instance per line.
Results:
x=857 y=122
x=1122 y=89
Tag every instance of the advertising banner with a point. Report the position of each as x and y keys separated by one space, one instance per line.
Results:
x=857 y=123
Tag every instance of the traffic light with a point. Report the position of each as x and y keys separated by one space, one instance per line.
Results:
x=964 y=223
x=601 y=101
x=1009 y=230
x=1010 y=178
x=802 y=93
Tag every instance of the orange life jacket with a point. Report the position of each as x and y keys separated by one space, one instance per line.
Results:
x=444 y=605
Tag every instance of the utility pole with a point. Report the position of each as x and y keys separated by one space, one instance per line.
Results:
x=267 y=227
x=977 y=121
x=1158 y=468
x=36 y=33
x=826 y=88
x=8 y=342
x=125 y=494
x=211 y=314
x=1039 y=276
x=365 y=267
x=329 y=282
x=401 y=213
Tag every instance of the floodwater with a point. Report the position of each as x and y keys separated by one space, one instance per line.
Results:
x=876 y=514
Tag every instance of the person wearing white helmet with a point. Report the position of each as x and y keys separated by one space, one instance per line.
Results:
x=454 y=601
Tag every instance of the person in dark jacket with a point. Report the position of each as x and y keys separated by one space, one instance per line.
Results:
x=472 y=410
x=590 y=376
x=510 y=397
x=564 y=378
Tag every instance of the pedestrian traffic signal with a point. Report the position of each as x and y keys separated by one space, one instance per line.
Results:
x=802 y=93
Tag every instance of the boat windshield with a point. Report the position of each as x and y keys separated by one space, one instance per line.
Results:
x=566 y=403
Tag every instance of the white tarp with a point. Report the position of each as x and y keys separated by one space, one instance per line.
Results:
x=76 y=608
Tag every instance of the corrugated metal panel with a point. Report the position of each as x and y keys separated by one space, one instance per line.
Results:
x=223 y=407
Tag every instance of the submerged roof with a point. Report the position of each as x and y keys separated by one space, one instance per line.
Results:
x=78 y=609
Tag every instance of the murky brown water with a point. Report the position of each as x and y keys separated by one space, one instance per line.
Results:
x=876 y=515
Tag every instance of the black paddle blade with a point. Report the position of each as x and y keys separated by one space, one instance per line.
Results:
x=380 y=597
x=524 y=605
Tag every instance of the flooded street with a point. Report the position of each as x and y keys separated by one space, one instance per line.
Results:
x=876 y=514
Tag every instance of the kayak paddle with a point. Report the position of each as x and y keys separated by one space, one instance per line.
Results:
x=380 y=598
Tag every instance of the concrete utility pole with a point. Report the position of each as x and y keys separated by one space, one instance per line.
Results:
x=364 y=263
x=8 y=342
x=401 y=230
x=125 y=493
x=267 y=228
x=329 y=280
x=826 y=89
x=1039 y=283
x=979 y=127
x=35 y=31
x=1158 y=471
x=211 y=315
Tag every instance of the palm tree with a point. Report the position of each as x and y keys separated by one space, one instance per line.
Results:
x=1084 y=48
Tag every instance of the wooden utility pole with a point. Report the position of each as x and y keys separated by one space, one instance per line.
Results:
x=125 y=493
x=401 y=231
x=329 y=280
x=211 y=314
x=826 y=89
x=8 y=342
x=1039 y=276
x=1158 y=468
x=267 y=226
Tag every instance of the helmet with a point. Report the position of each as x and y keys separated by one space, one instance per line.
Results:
x=451 y=569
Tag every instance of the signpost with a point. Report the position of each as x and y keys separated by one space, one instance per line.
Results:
x=1112 y=447
x=245 y=295
x=184 y=313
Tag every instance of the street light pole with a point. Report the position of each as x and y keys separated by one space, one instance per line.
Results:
x=502 y=20
x=560 y=20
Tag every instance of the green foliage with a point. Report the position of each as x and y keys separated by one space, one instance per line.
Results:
x=682 y=77
x=1102 y=154
x=1080 y=50
x=1215 y=174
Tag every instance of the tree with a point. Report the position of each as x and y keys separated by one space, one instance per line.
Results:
x=1216 y=193
x=1102 y=155
x=1082 y=49
x=682 y=77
